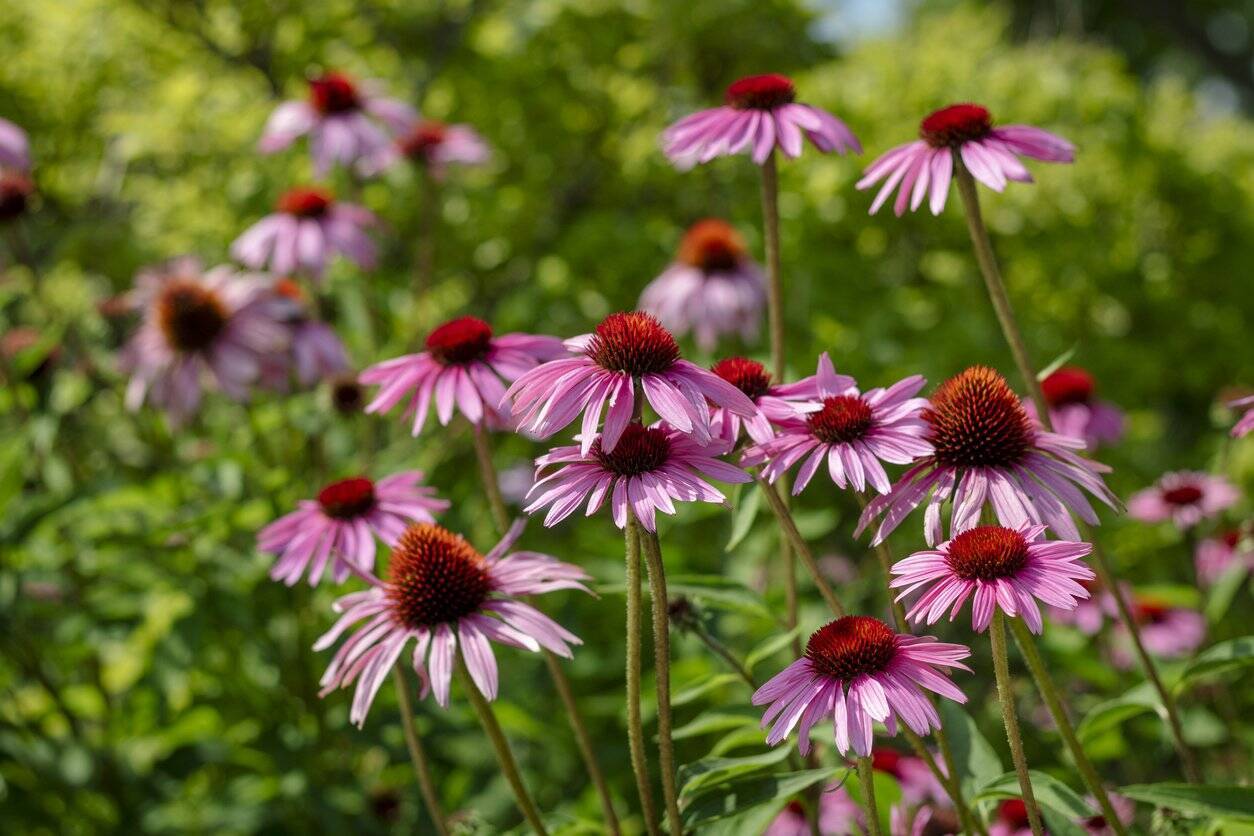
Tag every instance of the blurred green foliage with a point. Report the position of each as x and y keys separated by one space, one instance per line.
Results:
x=153 y=677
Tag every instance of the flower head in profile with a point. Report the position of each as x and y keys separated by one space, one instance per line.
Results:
x=857 y=671
x=625 y=349
x=337 y=529
x=345 y=120
x=1075 y=412
x=760 y=116
x=14 y=147
x=434 y=146
x=987 y=451
x=1245 y=424
x=308 y=227
x=1184 y=497
x=464 y=367
x=962 y=132
x=16 y=189
x=853 y=432
x=198 y=327
x=1214 y=556
x=712 y=289
x=446 y=597
x=997 y=568
x=1167 y=631
x=647 y=471
x=775 y=402
x=317 y=353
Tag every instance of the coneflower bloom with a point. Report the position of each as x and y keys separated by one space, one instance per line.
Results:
x=1215 y=555
x=14 y=147
x=1167 y=631
x=774 y=402
x=199 y=325
x=342 y=119
x=449 y=599
x=1073 y=411
x=997 y=568
x=925 y=820
x=317 y=351
x=337 y=529
x=839 y=815
x=857 y=671
x=464 y=367
x=647 y=470
x=1011 y=819
x=1184 y=497
x=853 y=432
x=624 y=348
x=912 y=774
x=990 y=153
x=761 y=115
x=1245 y=424
x=433 y=145
x=15 y=191
x=986 y=450
x=1089 y=614
x=1096 y=825
x=712 y=289
x=308 y=227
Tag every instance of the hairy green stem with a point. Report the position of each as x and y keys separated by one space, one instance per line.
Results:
x=1005 y=693
x=635 y=727
x=416 y=754
x=866 y=776
x=799 y=545
x=662 y=669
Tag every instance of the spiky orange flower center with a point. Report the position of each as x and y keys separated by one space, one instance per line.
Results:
x=459 y=341
x=842 y=419
x=987 y=553
x=976 y=420
x=639 y=450
x=347 y=498
x=435 y=577
x=956 y=124
x=851 y=646
x=190 y=316
x=635 y=343
x=712 y=246
x=749 y=376
x=1068 y=385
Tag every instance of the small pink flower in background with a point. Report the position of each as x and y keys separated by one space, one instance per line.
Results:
x=449 y=599
x=712 y=289
x=990 y=153
x=1088 y=614
x=917 y=782
x=337 y=529
x=198 y=326
x=1214 y=555
x=1011 y=819
x=852 y=431
x=346 y=122
x=839 y=815
x=316 y=350
x=647 y=470
x=624 y=348
x=1245 y=424
x=857 y=671
x=433 y=145
x=1167 y=631
x=308 y=227
x=774 y=402
x=925 y=820
x=998 y=568
x=16 y=189
x=1184 y=497
x=464 y=367
x=988 y=451
x=761 y=115
x=1096 y=825
x=14 y=147
x=1074 y=412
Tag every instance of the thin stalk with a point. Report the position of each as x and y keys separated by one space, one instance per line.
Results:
x=866 y=776
x=583 y=740
x=504 y=757
x=662 y=671
x=885 y=555
x=799 y=545
x=953 y=784
x=635 y=727
x=946 y=778
x=723 y=652
x=1045 y=683
x=428 y=222
x=416 y=754
x=1005 y=693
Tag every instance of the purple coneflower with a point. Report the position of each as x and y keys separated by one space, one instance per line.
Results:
x=448 y=598
x=15 y=191
x=989 y=153
x=317 y=351
x=341 y=118
x=648 y=469
x=1096 y=825
x=1214 y=555
x=1074 y=412
x=624 y=348
x=761 y=115
x=853 y=432
x=986 y=450
x=433 y=145
x=1245 y=424
x=215 y=324
x=856 y=670
x=839 y=815
x=713 y=288
x=464 y=367
x=1184 y=497
x=14 y=147
x=916 y=781
x=338 y=528
x=997 y=568
x=1167 y=631
x=308 y=227
x=774 y=402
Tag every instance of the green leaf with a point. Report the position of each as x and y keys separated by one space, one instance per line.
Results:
x=709 y=772
x=1225 y=656
x=1111 y=713
x=975 y=759
x=1225 y=591
x=1051 y=794
x=749 y=737
x=713 y=721
x=717 y=592
x=743 y=515
x=1236 y=803
x=732 y=799
x=770 y=647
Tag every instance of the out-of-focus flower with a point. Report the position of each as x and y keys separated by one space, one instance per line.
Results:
x=839 y=815
x=1073 y=410
x=433 y=145
x=1214 y=555
x=14 y=147
x=348 y=397
x=15 y=191
x=1168 y=632
x=1183 y=497
x=1011 y=819
x=1245 y=424
x=307 y=229
x=1096 y=825
x=916 y=781
x=774 y=402
x=316 y=350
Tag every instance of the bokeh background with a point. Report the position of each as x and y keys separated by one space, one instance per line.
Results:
x=153 y=678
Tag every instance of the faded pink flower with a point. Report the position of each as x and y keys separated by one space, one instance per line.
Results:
x=307 y=230
x=1185 y=497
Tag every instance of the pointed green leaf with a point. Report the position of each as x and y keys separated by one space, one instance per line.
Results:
x=1236 y=803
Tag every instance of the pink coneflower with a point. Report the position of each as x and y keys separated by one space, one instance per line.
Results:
x=648 y=469
x=342 y=119
x=448 y=598
x=1245 y=424
x=433 y=145
x=1088 y=614
x=465 y=366
x=1214 y=555
x=760 y=116
x=997 y=568
x=1074 y=412
x=308 y=227
x=713 y=288
x=14 y=147
x=916 y=781
x=1184 y=497
x=1167 y=631
x=774 y=402
x=198 y=325
x=1096 y=825
x=987 y=450
x=339 y=526
x=624 y=348
x=15 y=191
x=926 y=820
x=856 y=670
x=317 y=351
x=964 y=130
x=839 y=815
x=853 y=432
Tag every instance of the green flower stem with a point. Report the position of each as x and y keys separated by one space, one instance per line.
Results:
x=1005 y=693
x=866 y=776
x=662 y=668
x=799 y=545
x=416 y=754
x=947 y=779
x=635 y=727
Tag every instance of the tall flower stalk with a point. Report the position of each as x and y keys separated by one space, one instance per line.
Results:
x=417 y=754
x=1005 y=694
x=662 y=669
x=635 y=726
x=866 y=777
